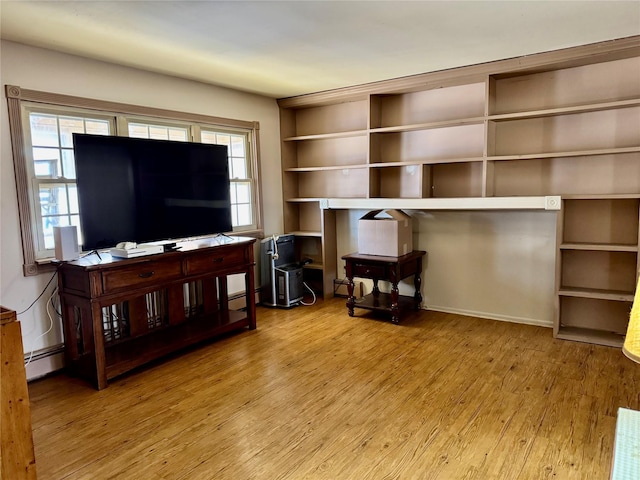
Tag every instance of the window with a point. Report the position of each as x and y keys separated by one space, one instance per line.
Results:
x=52 y=169
x=42 y=141
x=239 y=173
x=158 y=132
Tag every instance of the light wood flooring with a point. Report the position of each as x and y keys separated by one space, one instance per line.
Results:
x=315 y=394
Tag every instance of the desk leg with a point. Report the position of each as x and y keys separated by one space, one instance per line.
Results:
x=417 y=282
x=417 y=297
x=376 y=290
x=98 y=347
x=395 y=309
x=251 y=298
x=351 y=300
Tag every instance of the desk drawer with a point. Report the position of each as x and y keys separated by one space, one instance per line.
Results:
x=140 y=275
x=369 y=271
x=216 y=260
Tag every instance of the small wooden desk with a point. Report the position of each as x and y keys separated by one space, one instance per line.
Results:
x=392 y=269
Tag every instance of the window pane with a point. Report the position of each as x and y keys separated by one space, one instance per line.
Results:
x=237 y=146
x=233 y=196
x=207 y=137
x=222 y=139
x=97 y=127
x=68 y=164
x=59 y=207
x=234 y=216
x=46 y=162
x=44 y=130
x=243 y=216
x=69 y=126
x=242 y=192
x=179 y=135
x=53 y=200
x=238 y=168
x=47 y=227
x=158 y=132
x=138 y=131
x=72 y=196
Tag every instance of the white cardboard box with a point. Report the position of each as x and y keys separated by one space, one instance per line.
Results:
x=389 y=235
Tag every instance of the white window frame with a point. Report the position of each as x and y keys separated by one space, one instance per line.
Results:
x=19 y=100
x=250 y=178
x=41 y=252
x=194 y=134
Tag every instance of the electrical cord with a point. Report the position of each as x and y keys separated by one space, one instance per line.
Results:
x=312 y=293
x=275 y=238
x=49 y=301
x=41 y=293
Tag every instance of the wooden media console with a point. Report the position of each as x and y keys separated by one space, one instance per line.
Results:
x=119 y=313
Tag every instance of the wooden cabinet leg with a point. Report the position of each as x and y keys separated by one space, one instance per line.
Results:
x=395 y=309
x=417 y=297
x=376 y=290
x=251 y=304
x=351 y=300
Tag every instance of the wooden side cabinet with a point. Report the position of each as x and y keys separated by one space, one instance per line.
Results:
x=17 y=456
x=119 y=314
x=392 y=269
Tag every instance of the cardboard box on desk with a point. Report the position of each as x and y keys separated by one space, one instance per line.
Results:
x=390 y=236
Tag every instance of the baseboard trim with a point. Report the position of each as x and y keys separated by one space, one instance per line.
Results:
x=44 y=362
x=492 y=316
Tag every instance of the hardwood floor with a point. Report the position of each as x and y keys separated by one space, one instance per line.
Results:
x=315 y=394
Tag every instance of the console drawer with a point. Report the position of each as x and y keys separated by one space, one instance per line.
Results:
x=216 y=260
x=140 y=275
x=369 y=271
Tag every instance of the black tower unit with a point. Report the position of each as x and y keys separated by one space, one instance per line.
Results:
x=280 y=274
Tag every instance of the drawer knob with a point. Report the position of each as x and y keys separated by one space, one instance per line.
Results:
x=218 y=260
x=146 y=274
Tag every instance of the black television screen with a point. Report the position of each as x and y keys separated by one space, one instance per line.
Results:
x=140 y=190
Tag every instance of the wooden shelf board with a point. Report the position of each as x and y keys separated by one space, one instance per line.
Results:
x=577 y=153
x=429 y=125
x=125 y=355
x=313 y=266
x=325 y=168
x=587 y=335
x=430 y=161
x=382 y=303
x=306 y=233
x=551 y=112
x=619 y=196
x=303 y=199
x=327 y=136
x=614 y=295
x=426 y=161
x=605 y=247
x=465 y=203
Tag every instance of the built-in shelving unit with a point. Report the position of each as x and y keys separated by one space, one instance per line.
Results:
x=597 y=267
x=559 y=124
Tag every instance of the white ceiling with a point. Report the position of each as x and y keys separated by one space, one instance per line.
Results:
x=287 y=48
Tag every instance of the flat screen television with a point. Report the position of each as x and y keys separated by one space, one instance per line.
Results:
x=140 y=190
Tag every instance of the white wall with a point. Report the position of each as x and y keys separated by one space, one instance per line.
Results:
x=45 y=70
x=491 y=264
